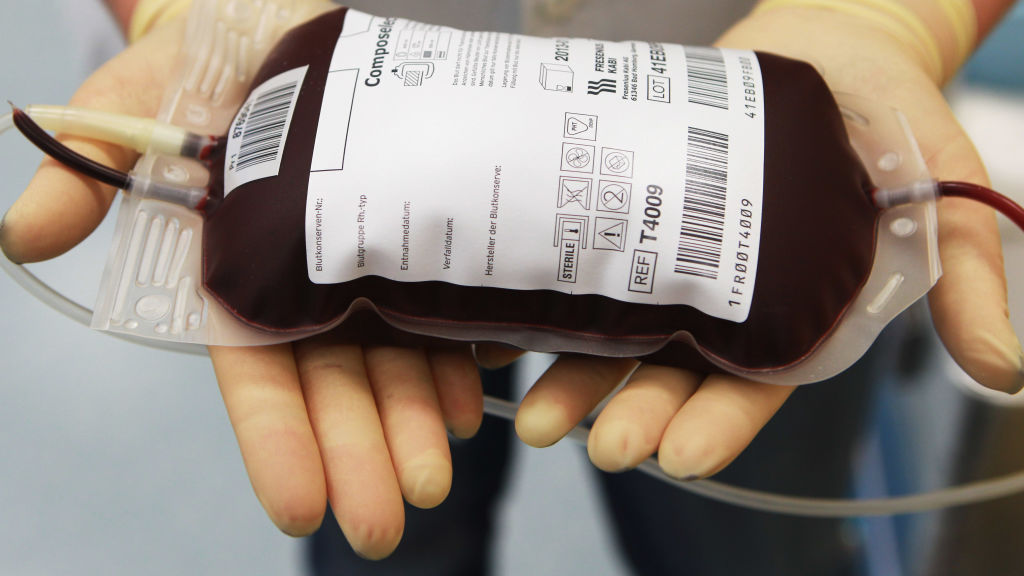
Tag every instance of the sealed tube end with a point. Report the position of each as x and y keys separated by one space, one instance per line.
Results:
x=915 y=192
x=199 y=146
x=191 y=197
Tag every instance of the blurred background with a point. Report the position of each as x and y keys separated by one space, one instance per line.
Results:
x=115 y=458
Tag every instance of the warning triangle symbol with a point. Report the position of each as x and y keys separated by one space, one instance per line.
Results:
x=614 y=234
x=575 y=126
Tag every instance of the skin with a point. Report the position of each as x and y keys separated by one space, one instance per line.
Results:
x=363 y=428
x=122 y=11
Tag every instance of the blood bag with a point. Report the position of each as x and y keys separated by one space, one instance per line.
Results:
x=401 y=182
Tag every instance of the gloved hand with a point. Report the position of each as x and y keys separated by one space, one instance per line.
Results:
x=698 y=424
x=317 y=419
x=365 y=427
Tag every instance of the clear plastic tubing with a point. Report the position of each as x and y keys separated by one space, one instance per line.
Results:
x=748 y=498
x=806 y=506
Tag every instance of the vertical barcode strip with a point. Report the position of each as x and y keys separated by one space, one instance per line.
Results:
x=264 y=128
x=705 y=73
x=703 y=226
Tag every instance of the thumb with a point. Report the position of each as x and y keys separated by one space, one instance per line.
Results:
x=969 y=303
x=60 y=208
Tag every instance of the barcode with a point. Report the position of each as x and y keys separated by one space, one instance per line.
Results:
x=264 y=128
x=703 y=227
x=705 y=73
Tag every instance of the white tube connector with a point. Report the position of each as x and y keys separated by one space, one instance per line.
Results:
x=190 y=197
x=139 y=134
x=919 y=191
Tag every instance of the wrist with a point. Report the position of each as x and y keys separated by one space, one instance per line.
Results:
x=847 y=51
x=938 y=34
x=122 y=12
x=148 y=14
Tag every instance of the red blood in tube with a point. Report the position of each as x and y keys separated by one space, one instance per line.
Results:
x=817 y=242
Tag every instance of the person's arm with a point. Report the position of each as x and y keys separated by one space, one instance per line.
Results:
x=969 y=303
x=122 y=11
x=989 y=13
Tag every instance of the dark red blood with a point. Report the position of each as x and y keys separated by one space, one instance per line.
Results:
x=817 y=241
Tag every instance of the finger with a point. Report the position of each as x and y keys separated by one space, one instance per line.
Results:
x=565 y=394
x=413 y=426
x=969 y=303
x=493 y=356
x=59 y=208
x=361 y=484
x=459 y=391
x=261 y=392
x=716 y=424
x=631 y=426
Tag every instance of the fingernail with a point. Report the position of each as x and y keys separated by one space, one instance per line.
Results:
x=426 y=480
x=373 y=543
x=1018 y=384
x=464 y=432
x=1002 y=362
x=612 y=446
x=459 y=435
x=541 y=424
x=3 y=240
x=291 y=526
x=494 y=356
x=689 y=460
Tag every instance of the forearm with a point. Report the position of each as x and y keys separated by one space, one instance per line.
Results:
x=939 y=35
x=122 y=11
x=138 y=17
x=989 y=13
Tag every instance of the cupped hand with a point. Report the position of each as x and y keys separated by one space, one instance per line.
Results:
x=698 y=424
x=316 y=420
x=969 y=303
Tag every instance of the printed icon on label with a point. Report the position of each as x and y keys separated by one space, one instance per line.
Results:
x=616 y=162
x=556 y=77
x=577 y=157
x=571 y=227
x=570 y=239
x=595 y=87
x=580 y=126
x=659 y=88
x=423 y=45
x=574 y=191
x=614 y=196
x=414 y=73
x=436 y=45
x=641 y=273
x=609 y=234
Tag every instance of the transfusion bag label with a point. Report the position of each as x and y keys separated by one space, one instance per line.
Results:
x=628 y=169
x=260 y=129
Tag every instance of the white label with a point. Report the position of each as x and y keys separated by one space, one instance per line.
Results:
x=260 y=130
x=628 y=169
